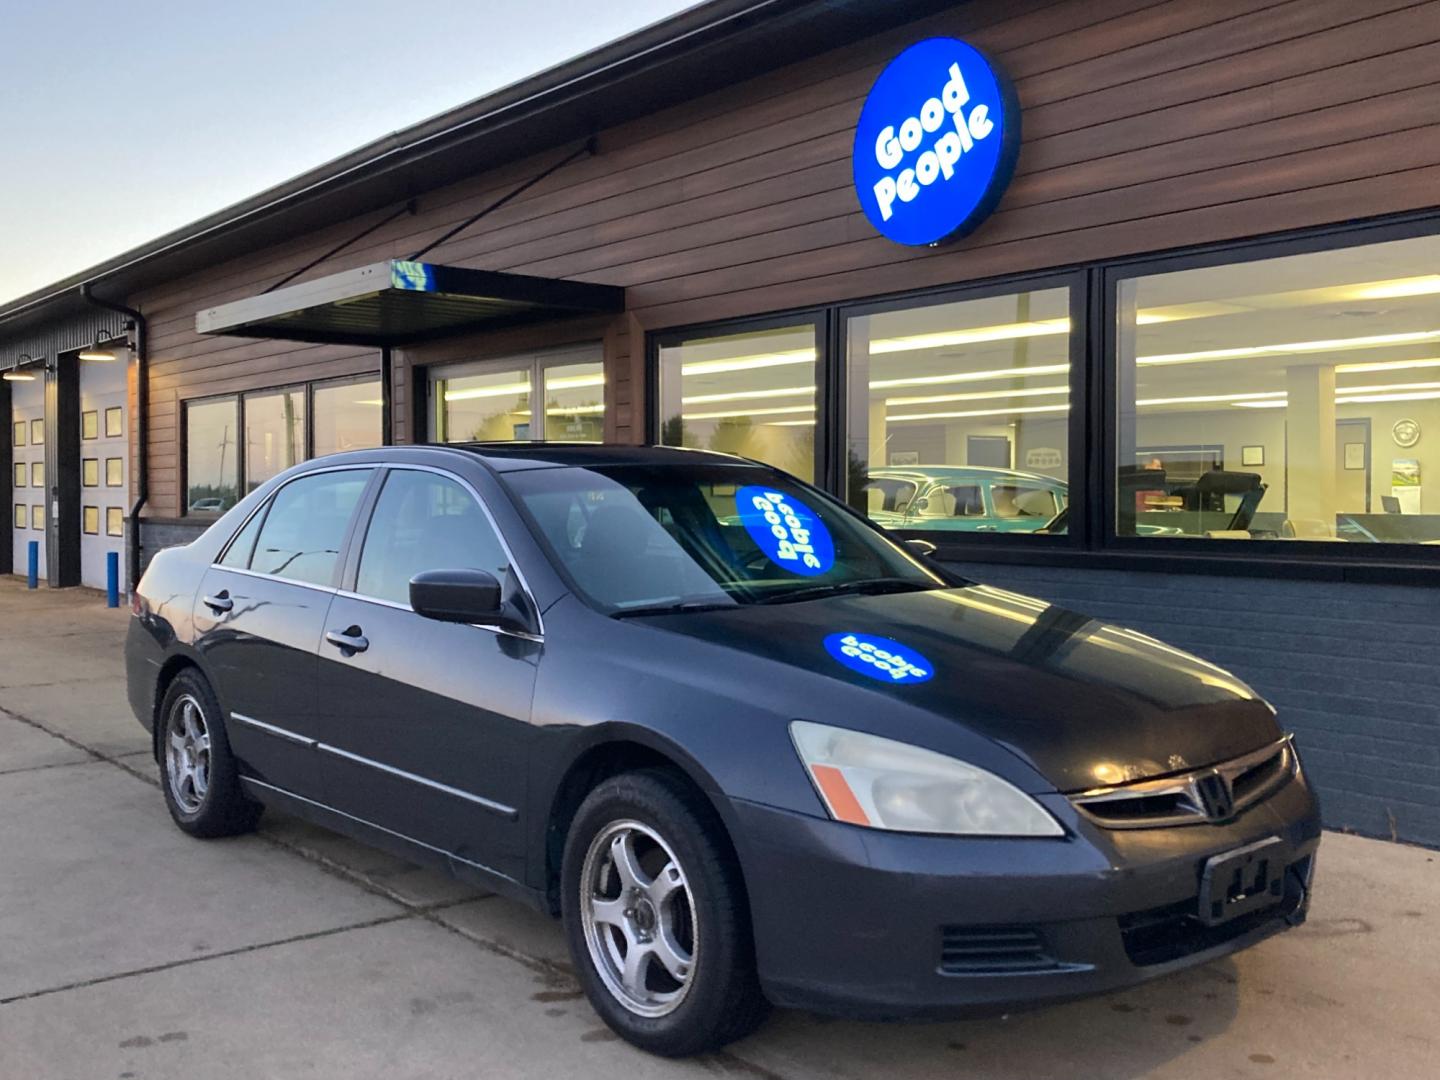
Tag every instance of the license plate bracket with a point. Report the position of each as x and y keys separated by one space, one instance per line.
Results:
x=1247 y=879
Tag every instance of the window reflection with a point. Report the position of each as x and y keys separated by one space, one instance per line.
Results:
x=347 y=416
x=751 y=394
x=575 y=402
x=958 y=414
x=1283 y=398
x=274 y=434
x=493 y=401
x=212 y=455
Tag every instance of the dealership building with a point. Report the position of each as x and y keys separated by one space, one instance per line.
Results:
x=1132 y=305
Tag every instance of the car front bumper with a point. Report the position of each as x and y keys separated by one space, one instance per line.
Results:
x=876 y=925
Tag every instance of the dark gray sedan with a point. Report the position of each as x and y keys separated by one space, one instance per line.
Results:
x=749 y=747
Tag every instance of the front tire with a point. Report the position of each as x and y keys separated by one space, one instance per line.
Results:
x=657 y=919
x=199 y=775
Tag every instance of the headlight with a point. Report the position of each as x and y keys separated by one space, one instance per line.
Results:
x=883 y=784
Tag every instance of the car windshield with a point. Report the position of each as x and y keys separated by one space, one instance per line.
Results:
x=641 y=538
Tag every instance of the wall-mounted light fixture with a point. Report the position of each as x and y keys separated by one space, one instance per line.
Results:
x=15 y=374
x=96 y=353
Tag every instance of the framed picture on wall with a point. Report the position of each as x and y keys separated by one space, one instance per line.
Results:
x=90 y=424
x=114 y=422
x=37 y=432
x=92 y=521
x=114 y=472
x=22 y=474
x=17 y=435
x=114 y=521
x=90 y=472
x=37 y=474
x=1252 y=455
x=37 y=517
x=1355 y=456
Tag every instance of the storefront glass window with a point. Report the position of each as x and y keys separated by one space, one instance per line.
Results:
x=347 y=416
x=575 y=402
x=1291 y=398
x=488 y=406
x=212 y=455
x=958 y=415
x=751 y=394
x=274 y=434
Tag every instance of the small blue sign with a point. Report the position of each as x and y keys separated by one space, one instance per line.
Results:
x=880 y=658
x=936 y=143
x=412 y=276
x=790 y=534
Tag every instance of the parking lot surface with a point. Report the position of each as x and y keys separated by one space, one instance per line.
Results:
x=128 y=950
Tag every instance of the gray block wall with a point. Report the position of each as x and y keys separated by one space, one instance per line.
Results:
x=1354 y=671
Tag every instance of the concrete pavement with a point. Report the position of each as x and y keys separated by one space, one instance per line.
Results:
x=130 y=950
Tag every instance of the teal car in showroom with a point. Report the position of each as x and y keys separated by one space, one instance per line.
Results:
x=965 y=498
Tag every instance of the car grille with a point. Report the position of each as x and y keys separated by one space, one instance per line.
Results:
x=1212 y=794
x=1159 y=935
x=995 y=950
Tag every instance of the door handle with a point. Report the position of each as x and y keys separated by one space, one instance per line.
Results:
x=349 y=641
x=220 y=602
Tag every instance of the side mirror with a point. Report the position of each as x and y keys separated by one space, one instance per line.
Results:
x=459 y=596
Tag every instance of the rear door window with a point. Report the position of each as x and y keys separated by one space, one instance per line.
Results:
x=1019 y=500
x=306 y=524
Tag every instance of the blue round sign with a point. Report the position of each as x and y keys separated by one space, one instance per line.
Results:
x=791 y=535
x=880 y=658
x=936 y=143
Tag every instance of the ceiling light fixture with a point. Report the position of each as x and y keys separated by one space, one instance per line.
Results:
x=984 y=395
x=1373 y=341
x=979 y=412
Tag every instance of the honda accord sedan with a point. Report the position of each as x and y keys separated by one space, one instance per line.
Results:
x=749 y=747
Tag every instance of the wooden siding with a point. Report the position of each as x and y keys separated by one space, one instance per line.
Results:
x=1148 y=124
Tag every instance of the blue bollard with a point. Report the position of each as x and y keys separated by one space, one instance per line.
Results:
x=34 y=581
x=112 y=579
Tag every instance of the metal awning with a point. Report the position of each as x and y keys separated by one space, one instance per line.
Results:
x=400 y=302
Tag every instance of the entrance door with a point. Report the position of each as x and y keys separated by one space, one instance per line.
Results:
x=103 y=460
x=29 y=485
x=495 y=400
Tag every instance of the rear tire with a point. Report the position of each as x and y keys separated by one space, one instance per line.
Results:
x=198 y=773
x=657 y=919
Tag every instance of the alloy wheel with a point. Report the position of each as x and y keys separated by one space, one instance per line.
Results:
x=639 y=918
x=187 y=754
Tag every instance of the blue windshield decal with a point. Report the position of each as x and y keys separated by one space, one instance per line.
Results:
x=790 y=534
x=880 y=658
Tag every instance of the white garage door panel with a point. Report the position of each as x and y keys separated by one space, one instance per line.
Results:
x=27 y=501
x=104 y=467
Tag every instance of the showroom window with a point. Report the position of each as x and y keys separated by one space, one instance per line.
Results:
x=274 y=434
x=212 y=455
x=493 y=401
x=751 y=393
x=1292 y=398
x=958 y=414
x=262 y=433
x=347 y=416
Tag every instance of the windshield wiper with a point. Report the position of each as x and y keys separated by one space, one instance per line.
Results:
x=680 y=608
x=867 y=587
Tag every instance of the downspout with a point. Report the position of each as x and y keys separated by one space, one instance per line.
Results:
x=142 y=420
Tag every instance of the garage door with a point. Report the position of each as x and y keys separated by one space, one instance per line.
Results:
x=29 y=486
x=103 y=468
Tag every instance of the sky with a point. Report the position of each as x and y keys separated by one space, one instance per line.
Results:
x=120 y=121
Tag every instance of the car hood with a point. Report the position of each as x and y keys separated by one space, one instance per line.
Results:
x=1085 y=703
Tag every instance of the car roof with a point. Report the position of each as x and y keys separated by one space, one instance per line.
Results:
x=515 y=456
x=952 y=472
